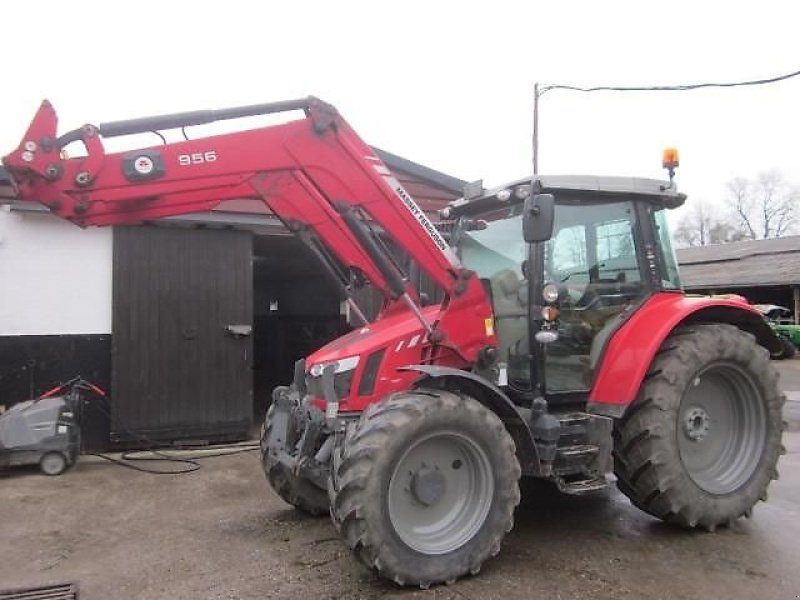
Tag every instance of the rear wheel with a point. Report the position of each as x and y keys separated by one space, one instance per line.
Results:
x=424 y=486
x=700 y=444
x=295 y=490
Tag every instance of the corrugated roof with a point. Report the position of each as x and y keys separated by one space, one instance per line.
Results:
x=741 y=264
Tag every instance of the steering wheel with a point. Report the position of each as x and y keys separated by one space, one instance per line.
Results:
x=588 y=299
x=594 y=290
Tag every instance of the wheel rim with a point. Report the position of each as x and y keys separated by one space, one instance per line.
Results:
x=722 y=428
x=440 y=493
x=52 y=463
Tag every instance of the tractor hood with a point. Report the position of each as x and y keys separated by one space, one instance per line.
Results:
x=384 y=333
x=368 y=362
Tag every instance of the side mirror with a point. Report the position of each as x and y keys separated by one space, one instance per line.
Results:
x=537 y=218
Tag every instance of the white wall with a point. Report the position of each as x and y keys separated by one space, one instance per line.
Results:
x=55 y=278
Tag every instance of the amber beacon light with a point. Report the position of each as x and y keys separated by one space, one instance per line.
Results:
x=669 y=160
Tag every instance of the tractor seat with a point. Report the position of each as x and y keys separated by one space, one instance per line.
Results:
x=511 y=317
x=505 y=293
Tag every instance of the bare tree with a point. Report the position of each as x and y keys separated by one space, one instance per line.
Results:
x=740 y=200
x=763 y=208
x=699 y=227
x=723 y=232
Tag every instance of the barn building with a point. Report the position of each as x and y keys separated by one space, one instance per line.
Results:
x=763 y=271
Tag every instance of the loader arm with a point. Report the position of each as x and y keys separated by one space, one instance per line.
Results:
x=314 y=173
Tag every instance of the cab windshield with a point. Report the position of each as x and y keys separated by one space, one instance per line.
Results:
x=492 y=245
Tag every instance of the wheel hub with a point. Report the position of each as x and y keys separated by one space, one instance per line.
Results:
x=440 y=492
x=721 y=456
x=696 y=424
x=428 y=485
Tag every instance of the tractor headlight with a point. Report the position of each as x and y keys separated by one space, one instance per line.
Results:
x=343 y=372
x=550 y=292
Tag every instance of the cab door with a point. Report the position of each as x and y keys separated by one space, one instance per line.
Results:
x=593 y=256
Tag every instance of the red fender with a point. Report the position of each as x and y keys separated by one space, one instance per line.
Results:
x=634 y=345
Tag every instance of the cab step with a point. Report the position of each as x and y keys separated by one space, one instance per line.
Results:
x=573 y=423
x=574 y=459
x=578 y=487
x=577 y=451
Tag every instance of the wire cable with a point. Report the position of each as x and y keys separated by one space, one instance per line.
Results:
x=540 y=90
x=668 y=88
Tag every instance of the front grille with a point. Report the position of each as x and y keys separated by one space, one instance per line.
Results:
x=342 y=383
x=370 y=374
x=60 y=591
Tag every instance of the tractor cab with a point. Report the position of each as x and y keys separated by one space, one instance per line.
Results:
x=596 y=248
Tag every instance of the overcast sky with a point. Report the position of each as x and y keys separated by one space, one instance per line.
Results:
x=445 y=84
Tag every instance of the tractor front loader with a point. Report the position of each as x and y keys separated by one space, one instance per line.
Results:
x=563 y=347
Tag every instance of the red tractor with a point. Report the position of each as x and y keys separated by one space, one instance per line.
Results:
x=563 y=347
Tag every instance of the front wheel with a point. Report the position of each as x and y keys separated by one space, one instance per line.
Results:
x=294 y=489
x=424 y=486
x=701 y=442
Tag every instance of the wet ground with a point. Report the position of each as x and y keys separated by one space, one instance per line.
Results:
x=221 y=533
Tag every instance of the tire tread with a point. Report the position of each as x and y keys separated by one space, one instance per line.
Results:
x=364 y=442
x=645 y=454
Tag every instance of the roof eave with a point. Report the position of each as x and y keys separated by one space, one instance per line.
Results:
x=442 y=180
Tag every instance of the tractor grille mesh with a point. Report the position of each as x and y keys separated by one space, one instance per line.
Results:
x=61 y=591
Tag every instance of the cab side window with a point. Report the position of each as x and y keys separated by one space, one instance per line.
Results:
x=616 y=252
x=568 y=260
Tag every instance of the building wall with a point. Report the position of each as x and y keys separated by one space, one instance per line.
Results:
x=55 y=311
x=56 y=277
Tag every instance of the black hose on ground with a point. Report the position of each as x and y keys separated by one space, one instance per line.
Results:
x=126 y=459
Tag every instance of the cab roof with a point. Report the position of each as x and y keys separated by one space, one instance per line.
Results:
x=655 y=190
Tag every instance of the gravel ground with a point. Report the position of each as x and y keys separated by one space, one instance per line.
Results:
x=222 y=533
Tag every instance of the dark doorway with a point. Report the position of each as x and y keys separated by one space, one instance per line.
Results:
x=181 y=349
x=296 y=310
